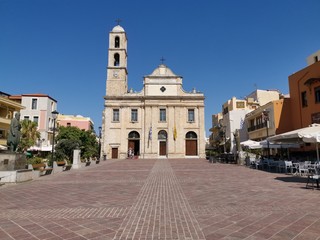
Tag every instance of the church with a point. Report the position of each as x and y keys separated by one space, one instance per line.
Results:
x=161 y=121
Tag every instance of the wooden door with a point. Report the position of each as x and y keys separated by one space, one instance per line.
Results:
x=114 y=153
x=163 y=148
x=191 y=148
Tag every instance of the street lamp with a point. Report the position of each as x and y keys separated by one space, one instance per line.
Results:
x=54 y=116
x=265 y=115
x=100 y=142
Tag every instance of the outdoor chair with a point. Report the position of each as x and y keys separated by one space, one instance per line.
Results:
x=313 y=178
x=258 y=164
x=288 y=166
x=303 y=169
x=272 y=165
x=281 y=166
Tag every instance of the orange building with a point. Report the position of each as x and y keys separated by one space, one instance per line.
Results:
x=277 y=117
x=304 y=87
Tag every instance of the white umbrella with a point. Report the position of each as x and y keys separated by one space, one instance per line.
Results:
x=251 y=144
x=309 y=134
x=313 y=138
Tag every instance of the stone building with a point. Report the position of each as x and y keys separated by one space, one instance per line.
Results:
x=160 y=121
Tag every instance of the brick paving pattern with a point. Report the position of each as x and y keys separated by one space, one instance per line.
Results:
x=160 y=199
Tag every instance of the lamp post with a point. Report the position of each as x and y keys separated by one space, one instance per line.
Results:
x=99 y=142
x=265 y=115
x=54 y=117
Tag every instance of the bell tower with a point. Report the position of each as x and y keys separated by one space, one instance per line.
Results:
x=117 y=72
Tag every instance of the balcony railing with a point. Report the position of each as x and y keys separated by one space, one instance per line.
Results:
x=256 y=127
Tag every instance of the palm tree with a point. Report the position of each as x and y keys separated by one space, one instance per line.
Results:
x=29 y=134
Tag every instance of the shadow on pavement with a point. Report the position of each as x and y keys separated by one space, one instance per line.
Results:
x=292 y=179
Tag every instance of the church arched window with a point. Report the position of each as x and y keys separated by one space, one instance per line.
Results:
x=117 y=42
x=192 y=135
x=162 y=134
x=116 y=59
x=134 y=135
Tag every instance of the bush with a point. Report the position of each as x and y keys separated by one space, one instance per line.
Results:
x=34 y=160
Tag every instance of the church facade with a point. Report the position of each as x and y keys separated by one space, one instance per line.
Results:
x=160 y=121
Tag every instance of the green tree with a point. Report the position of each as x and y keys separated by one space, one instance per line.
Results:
x=29 y=135
x=70 y=138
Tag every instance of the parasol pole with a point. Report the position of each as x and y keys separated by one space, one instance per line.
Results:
x=317 y=149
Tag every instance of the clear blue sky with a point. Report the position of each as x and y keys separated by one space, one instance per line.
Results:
x=223 y=48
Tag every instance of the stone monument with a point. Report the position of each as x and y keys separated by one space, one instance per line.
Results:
x=14 y=133
x=13 y=164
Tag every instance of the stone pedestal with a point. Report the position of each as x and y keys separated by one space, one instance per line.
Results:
x=13 y=168
x=76 y=159
x=12 y=161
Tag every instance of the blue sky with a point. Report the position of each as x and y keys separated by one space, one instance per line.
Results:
x=223 y=48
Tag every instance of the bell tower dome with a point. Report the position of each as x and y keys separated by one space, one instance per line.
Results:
x=117 y=72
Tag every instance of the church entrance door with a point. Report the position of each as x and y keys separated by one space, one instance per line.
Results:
x=191 y=147
x=114 y=153
x=134 y=143
x=162 y=137
x=163 y=148
x=191 y=144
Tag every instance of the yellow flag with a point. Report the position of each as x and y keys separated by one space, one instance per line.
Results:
x=174 y=133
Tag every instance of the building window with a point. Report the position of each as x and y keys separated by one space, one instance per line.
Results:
x=317 y=94
x=316 y=59
x=163 y=115
x=117 y=42
x=34 y=103
x=26 y=118
x=116 y=59
x=36 y=119
x=304 y=100
x=116 y=115
x=191 y=115
x=68 y=124
x=134 y=115
x=240 y=104
x=162 y=135
x=191 y=135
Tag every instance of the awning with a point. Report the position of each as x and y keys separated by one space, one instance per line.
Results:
x=303 y=134
x=251 y=144
x=264 y=144
x=309 y=134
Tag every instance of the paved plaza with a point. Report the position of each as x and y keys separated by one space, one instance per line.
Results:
x=160 y=199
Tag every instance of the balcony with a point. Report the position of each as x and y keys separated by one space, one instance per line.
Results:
x=256 y=127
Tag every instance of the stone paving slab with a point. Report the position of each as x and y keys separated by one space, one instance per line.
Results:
x=160 y=199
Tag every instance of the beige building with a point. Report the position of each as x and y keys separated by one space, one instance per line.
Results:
x=7 y=111
x=81 y=122
x=160 y=121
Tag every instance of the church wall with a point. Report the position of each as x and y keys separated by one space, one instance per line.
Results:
x=149 y=117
